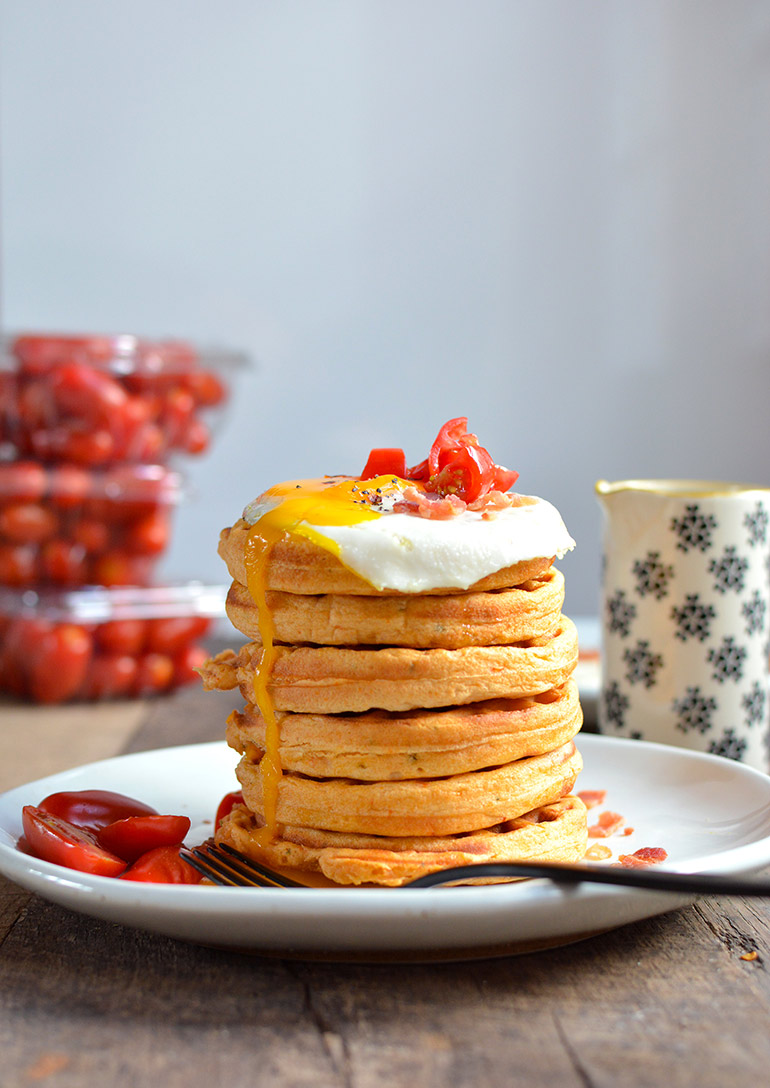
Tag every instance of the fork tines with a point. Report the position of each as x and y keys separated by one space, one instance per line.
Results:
x=223 y=865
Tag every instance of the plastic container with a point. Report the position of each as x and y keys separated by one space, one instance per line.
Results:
x=102 y=400
x=99 y=643
x=66 y=525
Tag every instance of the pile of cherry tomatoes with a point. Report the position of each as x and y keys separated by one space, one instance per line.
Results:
x=100 y=400
x=52 y=662
x=67 y=525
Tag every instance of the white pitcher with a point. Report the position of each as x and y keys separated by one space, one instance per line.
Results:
x=685 y=615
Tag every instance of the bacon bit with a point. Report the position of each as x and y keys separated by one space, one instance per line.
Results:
x=644 y=856
x=608 y=824
x=750 y=955
x=592 y=798
x=426 y=504
x=628 y=830
x=493 y=500
x=598 y=852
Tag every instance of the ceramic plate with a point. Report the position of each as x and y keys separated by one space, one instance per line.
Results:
x=709 y=813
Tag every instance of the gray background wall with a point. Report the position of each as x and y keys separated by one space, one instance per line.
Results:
x=550 y=216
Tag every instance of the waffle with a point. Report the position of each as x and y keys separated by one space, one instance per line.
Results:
x=553 y=832
x=494 y=618
x=383 y=746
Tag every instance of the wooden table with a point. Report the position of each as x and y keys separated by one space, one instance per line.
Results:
x=670 y=1001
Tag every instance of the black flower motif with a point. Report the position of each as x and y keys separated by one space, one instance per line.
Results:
x=755 y=610
x=754 y=703
x=729 y=570
x=620 y=613
x=727 y=659
x=694 y=711
x=615 y=705
x=728 y=745
x=643 y=664
x=757 y=521
x=693 y=619
x=652 y=576
x=694 y=529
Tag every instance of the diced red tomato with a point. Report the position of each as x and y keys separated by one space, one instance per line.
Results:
x=164 y=865
x=52 y=839
x=385 y=462
x=93 y=809
x=135 y=835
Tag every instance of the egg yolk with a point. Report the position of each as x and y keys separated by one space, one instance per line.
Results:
x=300 y=507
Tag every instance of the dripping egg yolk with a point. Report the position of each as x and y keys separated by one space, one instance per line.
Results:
x=301 y=507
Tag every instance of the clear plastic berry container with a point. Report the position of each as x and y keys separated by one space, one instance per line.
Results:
x=67 y=525
x=59 y=646
x=102 y=400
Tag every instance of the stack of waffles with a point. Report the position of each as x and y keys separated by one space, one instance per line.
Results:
x=387 y=734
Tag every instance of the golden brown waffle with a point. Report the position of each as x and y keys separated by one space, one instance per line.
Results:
x=434 y=806
x=496 y=617
x=553 y=832
x=384 y=746
x=337 y=680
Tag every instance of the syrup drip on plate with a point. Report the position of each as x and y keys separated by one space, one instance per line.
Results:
x=298 y=507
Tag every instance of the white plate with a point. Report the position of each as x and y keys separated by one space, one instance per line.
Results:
x=709 y=813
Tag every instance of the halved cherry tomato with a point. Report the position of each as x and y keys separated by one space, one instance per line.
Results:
x=162 y=866
x=53 y=839
x=226 y=806
x=457 y=464
x=93 y=809
x=385 y=462
x=134 y=836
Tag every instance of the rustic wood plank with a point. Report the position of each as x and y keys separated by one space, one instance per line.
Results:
x=663 y=1001
x=36 y=741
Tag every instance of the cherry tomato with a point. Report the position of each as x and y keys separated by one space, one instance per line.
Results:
x=27 y=523
x=206 y=387
x=22 y=481
x=87 y=447
x=93 y=809
x=40 y=353
x=154 y=674
x=385 y=462
x=115 y=568
x=93 y=535
x=134 y=836
x=70 y=486
x=110 y=676
x=226 y=806
x=197 y=437
x=53 y=839
x=63 y=562
x=121 y=636
x=87 y=394
x=186 y=665
x=148 y=535
x=164 y=865
x=18 y=564
x=173 y=634
x=59 y=663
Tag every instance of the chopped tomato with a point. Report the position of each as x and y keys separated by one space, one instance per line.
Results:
x=226 y=806
x=135 y=835
x=93 y=809
x=53 y=839
x=385 y=462
x=163 y=865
